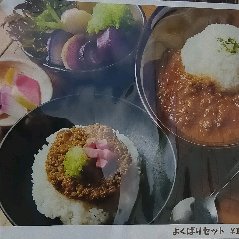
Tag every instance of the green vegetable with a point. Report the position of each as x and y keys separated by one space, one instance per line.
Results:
x=74 y=162
x=48 y=20
x=23 y=27
x=109 y=15
x=230 y=45
x=35 y=7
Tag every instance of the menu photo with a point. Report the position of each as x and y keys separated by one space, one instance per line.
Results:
x=119 y=119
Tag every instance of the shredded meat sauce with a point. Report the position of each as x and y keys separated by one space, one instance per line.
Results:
x=194 y=107
x=73 y=187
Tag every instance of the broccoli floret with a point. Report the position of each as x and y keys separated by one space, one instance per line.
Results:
x=74 y=162
x=109 y=15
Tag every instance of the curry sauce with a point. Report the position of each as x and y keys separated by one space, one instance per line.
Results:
x=194 y=107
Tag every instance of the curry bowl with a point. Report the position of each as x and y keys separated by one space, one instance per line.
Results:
x=31 y=193
x=182 y=90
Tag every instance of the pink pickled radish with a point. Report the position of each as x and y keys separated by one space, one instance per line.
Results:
x=101 y=144
x=29 y=89
x=101 y=163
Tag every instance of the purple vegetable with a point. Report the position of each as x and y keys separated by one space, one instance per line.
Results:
x=112 y=44
x=90 y=55
x=55 y=45
x=70 y=53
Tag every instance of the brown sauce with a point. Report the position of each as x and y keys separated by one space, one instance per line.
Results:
x=195 y=108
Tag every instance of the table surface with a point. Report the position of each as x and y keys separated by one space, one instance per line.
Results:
x=197 y=177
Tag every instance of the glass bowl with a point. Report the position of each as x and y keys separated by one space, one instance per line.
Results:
x=142 y=196
x=168 y=29
x=125 y=63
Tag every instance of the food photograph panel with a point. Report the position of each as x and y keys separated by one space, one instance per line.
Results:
x=118 y=114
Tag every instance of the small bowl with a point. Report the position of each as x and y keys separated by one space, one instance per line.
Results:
x=126 y=62
x=156 y=40
x=32 y=70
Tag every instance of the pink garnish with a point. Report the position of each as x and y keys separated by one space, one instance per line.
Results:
x=101 y=163
x=106 y=154
x=99 y=150
x=28 y=88
x=91 y=152
x=90 y=143
x=102 y=144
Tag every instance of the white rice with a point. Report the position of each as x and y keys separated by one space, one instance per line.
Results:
x=204 y=55
x=53 y=204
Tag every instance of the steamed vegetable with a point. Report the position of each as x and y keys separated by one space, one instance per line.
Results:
x=74 y=162
x=60 y=33
x=86 y=6
x=90 y=55
x=70 y=53
x=111 y=43
x=48 y=19
x=109 y=15
x=75 y=21
x=22 y=24
x=55 y=44
x=34 y=8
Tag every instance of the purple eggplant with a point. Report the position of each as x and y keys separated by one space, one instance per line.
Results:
x=70 y=53
x=112 y=45
x=90 y=55
x=55 y=45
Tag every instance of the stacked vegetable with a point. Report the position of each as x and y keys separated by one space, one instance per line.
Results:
x=74 y=35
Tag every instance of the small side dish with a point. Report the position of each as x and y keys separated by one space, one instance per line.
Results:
x=23 y=87
x=73 y=35
x=18 y=93
x=77 y=176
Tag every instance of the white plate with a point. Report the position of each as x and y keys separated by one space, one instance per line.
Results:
x=35 y=72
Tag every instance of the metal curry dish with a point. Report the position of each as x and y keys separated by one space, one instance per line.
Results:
x=196 y=72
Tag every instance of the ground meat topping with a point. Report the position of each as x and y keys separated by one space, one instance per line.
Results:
x=75 y=188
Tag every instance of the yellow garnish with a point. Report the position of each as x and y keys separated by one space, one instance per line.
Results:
x=9 y=76
x=25 y=103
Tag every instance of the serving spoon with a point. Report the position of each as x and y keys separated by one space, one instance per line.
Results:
x=201 y=210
